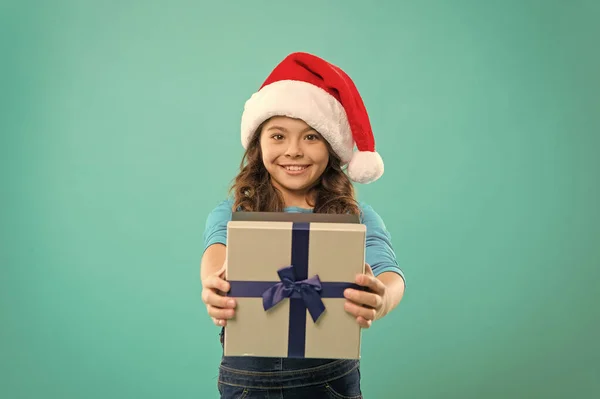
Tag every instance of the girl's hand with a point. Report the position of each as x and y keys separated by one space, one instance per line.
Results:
x=369 y=305
x=219 y=307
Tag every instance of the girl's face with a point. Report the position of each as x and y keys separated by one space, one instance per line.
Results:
x=294 y=154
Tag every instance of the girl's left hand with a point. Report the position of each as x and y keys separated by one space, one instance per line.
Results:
x=368 y=305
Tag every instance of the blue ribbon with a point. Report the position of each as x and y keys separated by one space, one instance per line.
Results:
x=304 y=292
x=308 y=290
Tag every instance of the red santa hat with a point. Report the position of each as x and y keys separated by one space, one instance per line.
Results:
x=306 y=87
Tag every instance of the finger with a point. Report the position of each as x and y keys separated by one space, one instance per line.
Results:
x=368 y=270
x=219 y=313
x=221 y=271
x=363 y=298
x=210 y=297
x=219 y=322
x=364 y=323
x=357 y=310
x=217 y=283
x=371 y=282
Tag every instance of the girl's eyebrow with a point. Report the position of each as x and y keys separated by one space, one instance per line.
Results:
x=285 y=130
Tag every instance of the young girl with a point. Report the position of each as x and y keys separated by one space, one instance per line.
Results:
x=299 y=131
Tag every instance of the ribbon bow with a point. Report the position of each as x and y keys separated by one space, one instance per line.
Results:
x=308 y=290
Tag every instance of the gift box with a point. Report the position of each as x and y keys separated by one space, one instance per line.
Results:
x=288 y=279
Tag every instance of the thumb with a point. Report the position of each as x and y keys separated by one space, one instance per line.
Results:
x=221 y=271
x=368 y=270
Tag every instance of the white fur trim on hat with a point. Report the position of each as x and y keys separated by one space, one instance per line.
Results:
x=301 y=100
x=365 y=167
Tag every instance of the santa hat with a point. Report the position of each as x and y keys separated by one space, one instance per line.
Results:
x=306 y=87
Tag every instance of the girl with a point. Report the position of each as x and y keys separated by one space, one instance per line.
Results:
x=299 y=131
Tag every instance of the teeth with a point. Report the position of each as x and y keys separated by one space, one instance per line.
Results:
x=295 y=168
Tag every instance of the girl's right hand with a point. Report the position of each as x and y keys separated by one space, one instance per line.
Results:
x=220 y=307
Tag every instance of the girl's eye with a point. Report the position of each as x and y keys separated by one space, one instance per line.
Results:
x=277 y=136
x=312 y=137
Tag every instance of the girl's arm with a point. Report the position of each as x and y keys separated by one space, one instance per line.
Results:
x=394 y=291
x=215 y=238
x=220 y=308
x=380 y=254
x=212 y=260
x=383 y=277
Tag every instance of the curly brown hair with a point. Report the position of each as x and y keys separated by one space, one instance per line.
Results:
x=253 y=191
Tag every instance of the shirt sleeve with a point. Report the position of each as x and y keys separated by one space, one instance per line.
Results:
x=215 y=230
x=380 y=253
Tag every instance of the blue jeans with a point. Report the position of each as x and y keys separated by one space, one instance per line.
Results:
x=283 y=378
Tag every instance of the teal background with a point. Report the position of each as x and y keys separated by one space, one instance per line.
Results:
x=119 y=131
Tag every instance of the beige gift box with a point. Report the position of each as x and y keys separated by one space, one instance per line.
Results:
x=261 y=257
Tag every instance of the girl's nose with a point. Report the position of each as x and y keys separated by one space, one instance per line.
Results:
x=293 y=150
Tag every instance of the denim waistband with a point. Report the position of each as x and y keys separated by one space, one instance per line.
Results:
x=266 y=373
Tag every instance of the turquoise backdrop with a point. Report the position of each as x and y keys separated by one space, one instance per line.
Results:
x=119 y=132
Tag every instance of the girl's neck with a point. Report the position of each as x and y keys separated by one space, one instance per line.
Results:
x=293 y=200
x=298 y=199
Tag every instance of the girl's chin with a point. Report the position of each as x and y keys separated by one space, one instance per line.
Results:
x=294 y=183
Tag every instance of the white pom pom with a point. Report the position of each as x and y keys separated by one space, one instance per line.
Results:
x=365 y=167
